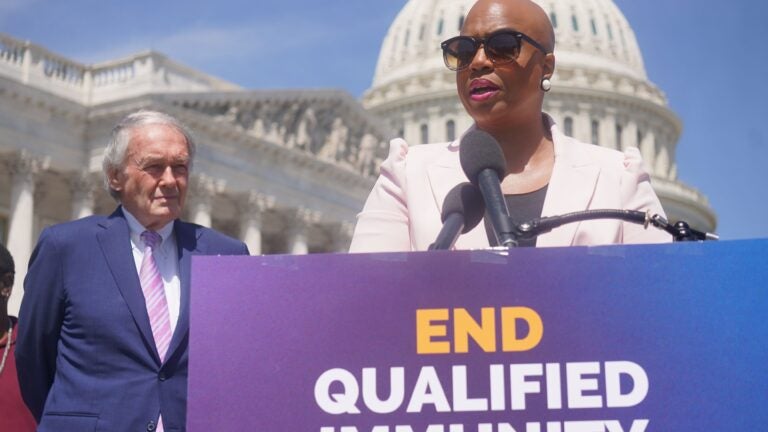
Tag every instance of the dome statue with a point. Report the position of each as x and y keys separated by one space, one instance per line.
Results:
x=600 y=91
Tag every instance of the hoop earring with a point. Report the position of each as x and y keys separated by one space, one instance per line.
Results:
x=546 y=85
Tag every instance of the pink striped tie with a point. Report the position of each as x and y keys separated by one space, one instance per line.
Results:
x=154 y=294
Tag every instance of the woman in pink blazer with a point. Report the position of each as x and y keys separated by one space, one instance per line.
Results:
x=504 y=61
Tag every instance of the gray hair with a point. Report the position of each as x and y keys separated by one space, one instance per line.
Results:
x=114 y=153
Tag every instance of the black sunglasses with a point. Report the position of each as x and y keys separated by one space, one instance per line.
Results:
x=500 y=47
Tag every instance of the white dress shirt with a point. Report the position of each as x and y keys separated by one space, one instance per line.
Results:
x=167 y=258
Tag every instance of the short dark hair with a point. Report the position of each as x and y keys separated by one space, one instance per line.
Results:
x=6 y=261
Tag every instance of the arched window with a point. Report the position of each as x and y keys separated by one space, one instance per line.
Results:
x=553 y=18
x=575 y=23
x=440 y=27
x=595 y=132
x=424 y=134
x=421 y=32
x=461 y=22
x=568 y=126
x=594 y=26
x=640 y=137
x=450 y=130
x=610 y=32
x=619 y=138
x=407 y=37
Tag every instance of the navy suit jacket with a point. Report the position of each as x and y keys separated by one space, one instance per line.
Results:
x=85 y=353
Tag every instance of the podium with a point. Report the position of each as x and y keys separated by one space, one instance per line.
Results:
x=615 y=338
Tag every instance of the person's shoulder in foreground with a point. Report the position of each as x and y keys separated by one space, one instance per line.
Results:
x=591 y=177
x=402 y=188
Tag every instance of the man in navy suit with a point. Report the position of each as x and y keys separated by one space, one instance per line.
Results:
x=95 y=352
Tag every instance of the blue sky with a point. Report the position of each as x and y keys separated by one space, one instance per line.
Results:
x=707 y=56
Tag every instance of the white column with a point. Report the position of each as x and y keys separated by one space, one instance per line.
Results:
x=662 y=161
x=83 y=187
x=252 y=215
x=608 y=131
x=202 y=189
x=629 y=135
x=250 y=232
x=298 y=231
x=26 y=65
x=648 y=150
x=410 y=128
x=582 y=128
x=436 y=123
x=23 y=169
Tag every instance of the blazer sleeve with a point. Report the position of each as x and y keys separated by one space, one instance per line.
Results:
x=637 y=194
x=40 y=319
x=383 y=225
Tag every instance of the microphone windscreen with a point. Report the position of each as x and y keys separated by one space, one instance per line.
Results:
x=466 y=200
x=479 y=151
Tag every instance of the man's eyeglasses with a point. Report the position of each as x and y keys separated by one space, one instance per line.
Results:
x=501 y=47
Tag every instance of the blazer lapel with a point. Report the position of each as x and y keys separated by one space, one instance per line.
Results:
x=444 y=174
x=187 y=242
x=115 y=244
x=571 y=188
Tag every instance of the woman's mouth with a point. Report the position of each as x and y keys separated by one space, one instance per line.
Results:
x=481 y=90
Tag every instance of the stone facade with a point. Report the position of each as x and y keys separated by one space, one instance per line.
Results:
x=286 y=172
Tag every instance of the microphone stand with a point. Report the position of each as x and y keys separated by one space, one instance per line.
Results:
x=680 y=230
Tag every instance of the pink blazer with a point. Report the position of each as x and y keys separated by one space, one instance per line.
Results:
x=402 y=212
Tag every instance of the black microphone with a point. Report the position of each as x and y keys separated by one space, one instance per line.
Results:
x=483 y=162
x=463 y=209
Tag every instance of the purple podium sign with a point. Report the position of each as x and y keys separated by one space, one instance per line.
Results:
x=616 y=338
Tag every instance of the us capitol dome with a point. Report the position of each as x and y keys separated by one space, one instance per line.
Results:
x=600 y=90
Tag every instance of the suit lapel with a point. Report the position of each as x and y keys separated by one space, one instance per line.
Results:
x=571 y=188
x=115 y=244
x=187 y=242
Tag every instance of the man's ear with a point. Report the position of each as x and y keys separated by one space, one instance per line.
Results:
x=113 y=174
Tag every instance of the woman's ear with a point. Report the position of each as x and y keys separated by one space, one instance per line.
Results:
x=548 y=67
